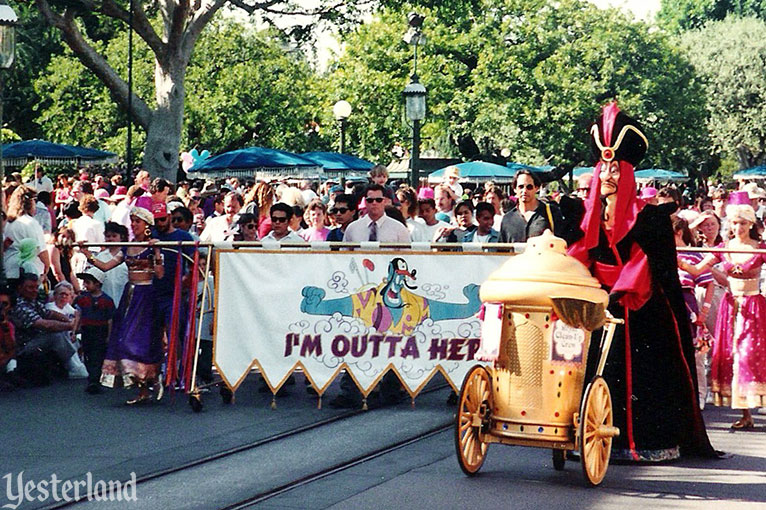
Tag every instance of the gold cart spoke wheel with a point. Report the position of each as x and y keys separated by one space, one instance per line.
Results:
x=595 y=418
x=474 y=407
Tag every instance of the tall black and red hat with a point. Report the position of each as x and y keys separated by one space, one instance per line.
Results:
x=616 y=136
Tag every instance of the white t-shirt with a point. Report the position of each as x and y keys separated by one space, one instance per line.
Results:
x=291 y=237
x=88 y=229
x=68 y=310
x=23 y=227
x=417 y=230
x=430 y=231
x=114 y=279
x=218 y=229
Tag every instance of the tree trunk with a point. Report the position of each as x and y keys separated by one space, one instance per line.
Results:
x=163 y=135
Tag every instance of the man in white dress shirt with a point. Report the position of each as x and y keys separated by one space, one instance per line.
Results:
x=376 y=226
x=41 y=182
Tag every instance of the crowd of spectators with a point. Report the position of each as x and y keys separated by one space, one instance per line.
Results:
x=51 y=285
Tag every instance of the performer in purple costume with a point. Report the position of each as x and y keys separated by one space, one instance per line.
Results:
x=135 y=351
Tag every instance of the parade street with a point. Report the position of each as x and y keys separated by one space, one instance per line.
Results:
x=247 y=455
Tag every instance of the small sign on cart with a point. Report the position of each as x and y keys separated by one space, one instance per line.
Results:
x=567 y=343
x=491 y=332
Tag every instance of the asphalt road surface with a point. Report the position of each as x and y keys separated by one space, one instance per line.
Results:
x=247 y=455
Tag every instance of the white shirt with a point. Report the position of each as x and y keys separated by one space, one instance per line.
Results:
x=218 y=229
x=417 y=230
x=42 y=184
x=114 y=279
x=430 y=231
x=121 y=214
x=43 y=217
x=88 y=229
x=67 y=311
x=291 y=237
x=23 y=227
x=389 y=230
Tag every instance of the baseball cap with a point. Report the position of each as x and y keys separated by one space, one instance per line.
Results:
x=93 y=273
x=159 y=210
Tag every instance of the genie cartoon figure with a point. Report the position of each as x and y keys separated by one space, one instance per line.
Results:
x=391 y=306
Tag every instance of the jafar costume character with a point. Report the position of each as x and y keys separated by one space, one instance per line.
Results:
x=629 y=246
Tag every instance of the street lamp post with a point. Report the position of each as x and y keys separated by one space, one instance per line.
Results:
x=342 y=110
x=8 y=22
x=415 y=95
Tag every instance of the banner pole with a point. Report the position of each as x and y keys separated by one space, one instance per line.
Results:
x=199 y=326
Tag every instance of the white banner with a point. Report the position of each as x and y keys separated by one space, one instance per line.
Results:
x=367 y=312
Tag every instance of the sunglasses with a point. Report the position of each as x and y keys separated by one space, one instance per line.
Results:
x=177 y=219
x=339 y=210
x=376 y=199
x=250 y=226
x=279 y=219
x=528 y=187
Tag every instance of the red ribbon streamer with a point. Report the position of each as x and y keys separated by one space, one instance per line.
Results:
x=172 y=368
x=190 y=346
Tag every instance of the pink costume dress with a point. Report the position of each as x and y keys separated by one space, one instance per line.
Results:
x=739 y=352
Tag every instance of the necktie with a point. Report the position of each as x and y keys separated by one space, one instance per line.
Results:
x=373 y=231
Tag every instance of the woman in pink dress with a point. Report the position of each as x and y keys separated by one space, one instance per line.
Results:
x=739 y=353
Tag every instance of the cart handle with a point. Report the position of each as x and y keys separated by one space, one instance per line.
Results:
x=606 y=340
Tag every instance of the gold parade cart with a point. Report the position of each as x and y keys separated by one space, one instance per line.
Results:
x=539 y=311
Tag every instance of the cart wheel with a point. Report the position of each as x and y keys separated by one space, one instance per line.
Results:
x=559 y=459
x=474 y=407
x=227 y=397
x=195 y=402
x=596 y=431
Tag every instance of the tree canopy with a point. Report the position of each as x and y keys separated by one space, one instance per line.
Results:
x=679 y=15
x=528 y=75
x=242 y=89
x=730 y=56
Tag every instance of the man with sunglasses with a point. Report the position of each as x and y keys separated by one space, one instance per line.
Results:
x=531 y=216
x=376 y=226
x=343 y=210
x=281 y=214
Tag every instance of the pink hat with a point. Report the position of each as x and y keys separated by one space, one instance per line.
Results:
x=648 y=192
x=425 y=192
x=144 y=202
x=101 y=193
x=739 y=198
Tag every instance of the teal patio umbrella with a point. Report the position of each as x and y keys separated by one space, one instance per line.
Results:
x=756 y=172
x=655 y=174
x=477 y=171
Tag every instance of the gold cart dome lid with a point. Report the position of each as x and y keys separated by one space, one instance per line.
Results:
x=542 y=273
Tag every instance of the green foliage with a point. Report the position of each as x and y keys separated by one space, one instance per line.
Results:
x=553 y=67
x=679 y=15
x=730 y=56
x=375 y=68
x=36 y=44
x=242 y=89
x=529 y=75
x=9 y=136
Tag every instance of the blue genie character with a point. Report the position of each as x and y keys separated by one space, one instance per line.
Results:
x=391 y=306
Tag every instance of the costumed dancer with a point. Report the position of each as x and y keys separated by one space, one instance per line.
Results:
x=739 y=353
x=629 y=246
x=135 y=352
x=697 y=314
